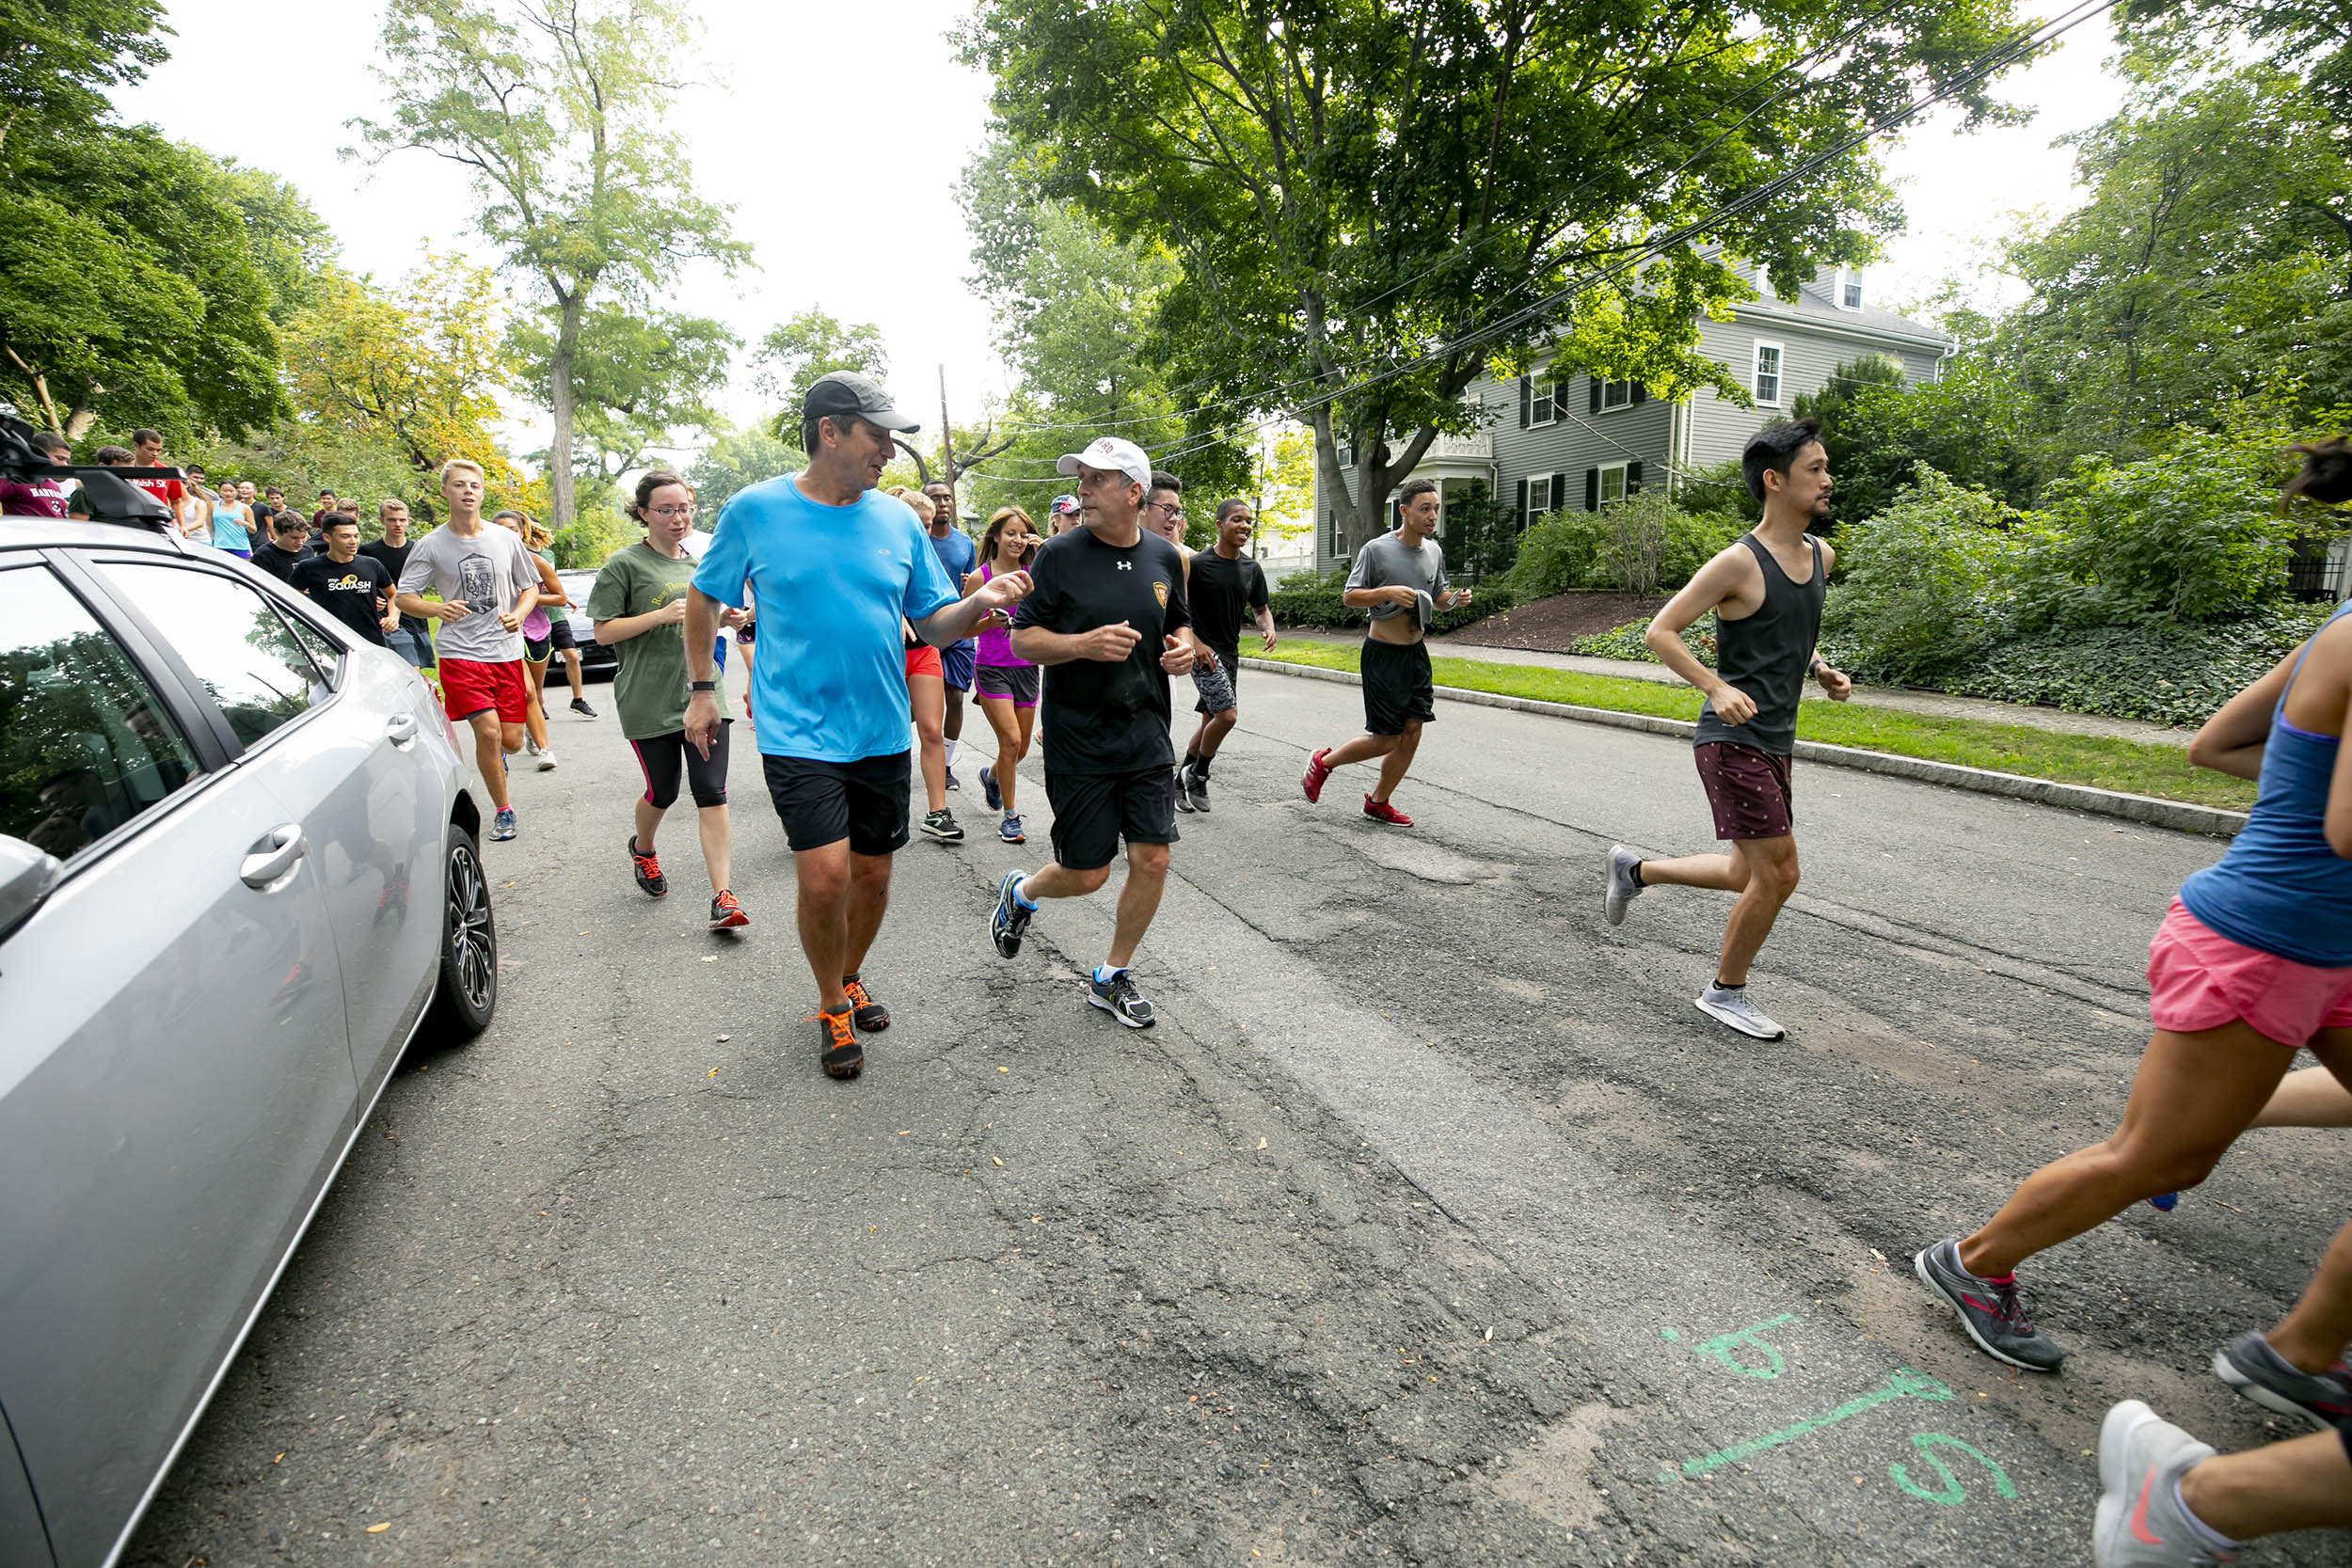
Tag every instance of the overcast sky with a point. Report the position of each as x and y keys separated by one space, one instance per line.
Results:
x=271 y=83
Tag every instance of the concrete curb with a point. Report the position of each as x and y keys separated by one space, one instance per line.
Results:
x=2175 y=814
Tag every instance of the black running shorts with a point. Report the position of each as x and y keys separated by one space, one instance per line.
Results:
x=1092 y=811
x=824 y=802
x=664 y=757
x=1397 y=685
x=560 y=635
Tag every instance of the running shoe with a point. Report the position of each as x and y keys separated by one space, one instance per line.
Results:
x=1008 y=831
x=547 y=759
x=994 y=796
x=2141 y=1522
x=1317 y=770
x=2249 y=1364
x=579 y=705
x=2164 y=1203
x=838 y=1051
x=951 y=780
x=1196 y=785
x=1730 y=1005
x=503 y=825
x=1990 y=1313
x=1381 y=811
x=648 y=868
x=866 y=1013
x=531 y=747
x=1622 y=889
x=1119 y=997
x=726 y=913
x=941 y=825
x=1183 y=789
x=1008 y=923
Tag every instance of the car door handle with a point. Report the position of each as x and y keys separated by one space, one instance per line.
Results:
x=401 y=728
x=271 y=857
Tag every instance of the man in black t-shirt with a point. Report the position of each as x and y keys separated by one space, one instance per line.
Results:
x=1106 y=618
x=412 y=639
x=1224 y=589
x=347 y=585
x=281 y=548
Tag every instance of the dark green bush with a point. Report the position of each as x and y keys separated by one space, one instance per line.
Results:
x=1625 y=642
x=1922 y=586
x=1320 y=607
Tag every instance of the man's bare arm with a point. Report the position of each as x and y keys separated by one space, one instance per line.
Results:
x=1715 y=584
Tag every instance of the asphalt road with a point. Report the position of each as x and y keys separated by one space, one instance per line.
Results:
x=1432 y=1224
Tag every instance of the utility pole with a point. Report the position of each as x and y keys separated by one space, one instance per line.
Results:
x=946 y=441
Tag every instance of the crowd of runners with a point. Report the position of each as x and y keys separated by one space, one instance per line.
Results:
x=1067 y=637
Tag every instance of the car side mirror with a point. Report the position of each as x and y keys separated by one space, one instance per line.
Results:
x=27 y=876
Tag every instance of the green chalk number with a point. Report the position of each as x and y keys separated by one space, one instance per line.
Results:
x=1952 y=1493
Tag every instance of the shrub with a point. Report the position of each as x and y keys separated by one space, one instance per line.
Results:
x=1319 y=605
x=1692 y=540
x=2164 y=672
x=1923 y=585
x=1556 y=554
x=1625 y=642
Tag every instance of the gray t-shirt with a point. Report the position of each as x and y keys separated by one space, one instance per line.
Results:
x=487 y=571
x=1388 y=561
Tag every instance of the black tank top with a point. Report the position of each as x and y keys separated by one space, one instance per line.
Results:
x=1766 y=655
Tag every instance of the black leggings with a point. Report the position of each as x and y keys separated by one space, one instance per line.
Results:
x=664 y=756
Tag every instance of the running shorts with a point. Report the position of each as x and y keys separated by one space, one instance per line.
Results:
x=1092 y=811
x=2199 y=980
x=956 y=664
x=1218 y=682
x=923 y=661
x=1749 y=790
x=1397 y=685
x=560 y=636
x=470 y=687
x=662 y=757
x=1016 y=681
x=536 y=649
x=824 y=802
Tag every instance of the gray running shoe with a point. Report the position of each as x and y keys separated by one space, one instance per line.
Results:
x=1183 y=788
x=1733 y=1008
x=1008 y=922
x=2249 y=1364
x=1119 y=997
x=1622 y=888
x=1990 y=1313
x=941 y=825
x=2141 y=1522
x=1196 y=786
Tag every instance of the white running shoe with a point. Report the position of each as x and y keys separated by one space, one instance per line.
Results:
x=2141 y=1522
x=546 y=759
x=1622 y=889
x=1734 y=1008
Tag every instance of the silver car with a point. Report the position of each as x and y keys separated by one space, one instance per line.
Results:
x=238 y=880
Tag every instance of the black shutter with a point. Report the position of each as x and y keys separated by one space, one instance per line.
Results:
x=1633 y=478
x=1593 y=403
x=1519 y=507
x=1527 y=403
x=1592 y=489
x=1641 y=393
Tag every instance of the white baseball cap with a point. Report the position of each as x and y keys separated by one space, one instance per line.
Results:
x=1112 y=454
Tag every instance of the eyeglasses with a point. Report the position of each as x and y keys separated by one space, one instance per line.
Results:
x=668 y=512
x=1172 y=509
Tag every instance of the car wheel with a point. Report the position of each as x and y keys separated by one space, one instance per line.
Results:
x=468 y=990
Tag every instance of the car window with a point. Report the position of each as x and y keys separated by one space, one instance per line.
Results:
x=231 y=638
x=84 y=744
x=323 y=653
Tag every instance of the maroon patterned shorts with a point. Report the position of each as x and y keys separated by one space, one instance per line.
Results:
x=1748 y=789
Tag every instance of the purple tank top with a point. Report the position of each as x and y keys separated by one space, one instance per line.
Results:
x=996 y=642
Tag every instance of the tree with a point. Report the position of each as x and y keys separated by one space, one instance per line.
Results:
x=1971 y=424
x=795 y=353
x=638 y=380
x=1361 y=194
x=736 y=459
x=1286 y=485
x=560 y=116
x=58 y=57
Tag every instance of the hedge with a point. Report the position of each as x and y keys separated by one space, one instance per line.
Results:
x=1320 y=607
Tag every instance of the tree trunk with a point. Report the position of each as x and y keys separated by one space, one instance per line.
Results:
x=560 y=402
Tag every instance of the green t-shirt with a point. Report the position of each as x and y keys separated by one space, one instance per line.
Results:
x=650 y=689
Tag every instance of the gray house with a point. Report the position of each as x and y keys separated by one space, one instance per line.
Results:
x=1561 y=437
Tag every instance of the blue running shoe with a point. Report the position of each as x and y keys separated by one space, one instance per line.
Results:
x=503 y=825
x=1009 y=921
x=995 y=796
x=2164 y=1203
x=1008 y=831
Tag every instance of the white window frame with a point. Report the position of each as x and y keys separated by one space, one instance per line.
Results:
x=1535 y=510
x=1607 y=500
x=1543 y=405
x=1848 y=278
x=1616 y=395
x=1779 y=371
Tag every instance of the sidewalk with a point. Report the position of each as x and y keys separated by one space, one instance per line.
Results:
x=1933 y=703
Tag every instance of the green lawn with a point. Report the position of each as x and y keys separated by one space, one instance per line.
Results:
x=2162 y=771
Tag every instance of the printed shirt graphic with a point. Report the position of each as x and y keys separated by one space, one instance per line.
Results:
x=832 y=582
x=487 y=571
x=650 y=689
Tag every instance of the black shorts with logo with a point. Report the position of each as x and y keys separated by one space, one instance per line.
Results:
x=1092 y=811
x=824 y=802
x=1397 y=685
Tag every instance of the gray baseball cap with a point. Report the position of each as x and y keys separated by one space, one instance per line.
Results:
x=847 y=393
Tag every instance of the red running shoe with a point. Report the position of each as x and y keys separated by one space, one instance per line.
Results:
x=726 y=913
x=1316 y=772
x=1381 y=811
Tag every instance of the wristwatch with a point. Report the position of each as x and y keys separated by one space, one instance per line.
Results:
x=702 y=685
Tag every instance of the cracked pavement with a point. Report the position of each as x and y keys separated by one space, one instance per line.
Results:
x=1432 y=1224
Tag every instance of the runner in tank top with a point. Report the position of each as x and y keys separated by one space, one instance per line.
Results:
x=1006 y=686
x=2253 y=961
x=1766 y=590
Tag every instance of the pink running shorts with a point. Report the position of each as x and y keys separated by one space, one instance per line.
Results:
x=2201 y=980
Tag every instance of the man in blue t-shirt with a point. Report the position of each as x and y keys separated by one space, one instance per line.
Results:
x=835 y=566
x=961 y=557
